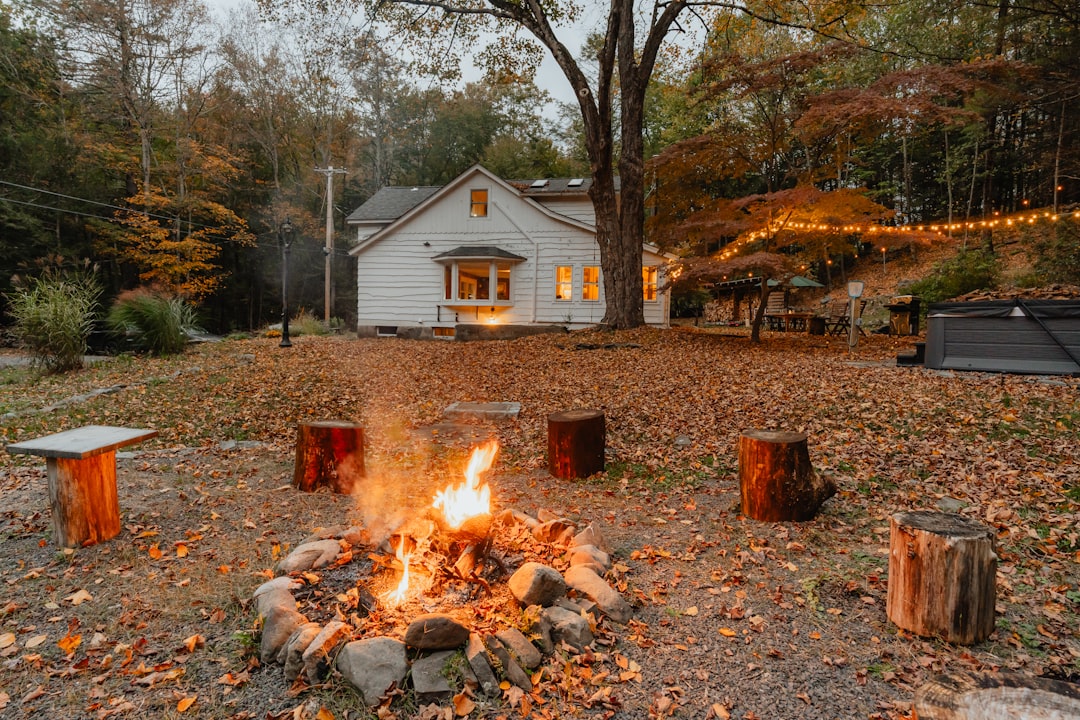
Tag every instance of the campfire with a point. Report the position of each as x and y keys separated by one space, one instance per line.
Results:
x=429 y=583
x=456 y=525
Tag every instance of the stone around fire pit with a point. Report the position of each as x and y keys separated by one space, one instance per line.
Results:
x=568 y=627
x=310 y=556
x=429 y=678
x=292 y=654
x=477 y=656
x=536 y=584
x=510 y=667
x=373 y=665
x=523 y=651
x=435 y=631
x=281 y=622
x=607 y=598
x=317 y=655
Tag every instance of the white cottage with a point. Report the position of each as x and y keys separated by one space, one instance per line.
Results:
x=484 y=251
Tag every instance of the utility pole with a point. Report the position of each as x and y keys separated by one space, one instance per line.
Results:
x=328 y=248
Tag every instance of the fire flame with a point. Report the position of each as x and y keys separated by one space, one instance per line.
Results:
x=397 y=596
x=469 y=499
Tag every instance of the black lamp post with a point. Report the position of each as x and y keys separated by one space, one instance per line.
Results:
x=286 y=233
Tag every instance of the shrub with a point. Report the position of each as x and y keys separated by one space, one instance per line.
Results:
x=152 y=321
x=969 y=270
x=305 y=323
x=54 y=315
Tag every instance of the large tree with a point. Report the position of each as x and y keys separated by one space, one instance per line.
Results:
x=612 y=105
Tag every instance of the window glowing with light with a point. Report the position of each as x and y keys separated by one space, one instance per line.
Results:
x=590 y=282
x=648 y=283
x=478 y=203
x=564 y=282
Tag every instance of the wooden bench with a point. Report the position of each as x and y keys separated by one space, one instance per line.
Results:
x=81 y=465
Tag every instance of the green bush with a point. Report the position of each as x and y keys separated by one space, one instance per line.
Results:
x=54 y=315
x=151 y=321
x=969 y=270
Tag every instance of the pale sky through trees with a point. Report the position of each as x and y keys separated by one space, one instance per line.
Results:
x=548 y=77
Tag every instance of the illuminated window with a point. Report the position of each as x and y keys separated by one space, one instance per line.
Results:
x=474 y=280
x=564 y=282
x=648 y=282
x=478 y=203
x=590 y=282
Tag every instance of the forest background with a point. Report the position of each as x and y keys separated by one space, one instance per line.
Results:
x=170 y=145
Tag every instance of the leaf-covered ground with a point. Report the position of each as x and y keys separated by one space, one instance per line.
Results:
x=734 y=618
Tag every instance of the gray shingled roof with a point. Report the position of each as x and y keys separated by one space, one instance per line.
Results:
x=390 y=203
x=477 y=251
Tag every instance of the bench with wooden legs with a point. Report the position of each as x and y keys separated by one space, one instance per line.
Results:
x=81 y=465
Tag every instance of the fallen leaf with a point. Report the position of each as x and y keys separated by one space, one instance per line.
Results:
x=720 y=712
x=7 y=640
x=69 y=643
x=185 y=703
x=691 y=611
x=463 y=705
x=234 y=680
x=181 y=550
x=194 y=642
x=324 y=714
x=79 y=597
x=35 y=641
x=727 y=632
x=155 y=552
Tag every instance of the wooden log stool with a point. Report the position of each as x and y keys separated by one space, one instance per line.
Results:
x=329 y=453
x=776 y=480
x=942 y=572
x=992 y=696
x=81 y=466
x=576 y=442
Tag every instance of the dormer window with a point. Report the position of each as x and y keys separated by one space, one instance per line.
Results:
x=478 y=203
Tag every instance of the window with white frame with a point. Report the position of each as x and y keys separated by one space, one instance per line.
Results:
x=590 y=283
x=564 y=282
x=648 y=282
x=478 y=280
x=478 y=203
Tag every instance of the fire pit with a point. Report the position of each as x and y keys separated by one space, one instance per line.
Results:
x=447 y=586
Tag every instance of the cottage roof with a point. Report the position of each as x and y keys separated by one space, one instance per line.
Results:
x=556 y=186
x=477 y=252
x=390 y=203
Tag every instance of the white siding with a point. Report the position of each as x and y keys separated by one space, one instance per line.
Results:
x=399 y=283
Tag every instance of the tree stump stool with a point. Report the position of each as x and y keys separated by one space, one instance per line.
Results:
x=942 y=572
x=329 y=453
x=776 y=480
x=991 y=696
x=576 y=442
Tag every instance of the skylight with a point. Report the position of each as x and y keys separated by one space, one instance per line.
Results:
x=539 y=184
x=576 y=182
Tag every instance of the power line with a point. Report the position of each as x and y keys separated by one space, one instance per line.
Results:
x=102 y=204
x=309 y=250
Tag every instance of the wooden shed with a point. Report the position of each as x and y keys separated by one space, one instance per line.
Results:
x=1013 y=336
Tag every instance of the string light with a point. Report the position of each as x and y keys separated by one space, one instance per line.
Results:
x=1028 y=217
